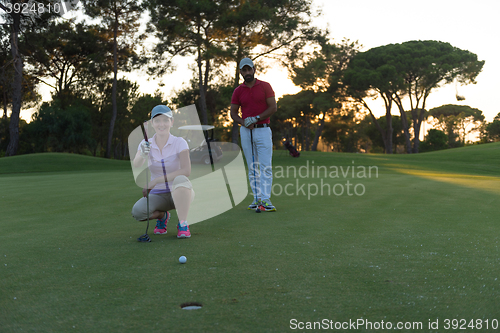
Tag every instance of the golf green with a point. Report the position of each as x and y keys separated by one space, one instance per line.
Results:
x=357 y=240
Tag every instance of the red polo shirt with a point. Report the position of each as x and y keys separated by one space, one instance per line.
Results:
x=253 y=100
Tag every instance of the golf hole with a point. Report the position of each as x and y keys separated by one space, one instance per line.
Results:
x=191 y=306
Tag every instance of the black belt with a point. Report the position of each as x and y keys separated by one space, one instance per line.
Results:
x=261 y=125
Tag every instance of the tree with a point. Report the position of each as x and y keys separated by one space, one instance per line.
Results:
x=121 y=18
x=6 y=73
x=434 y=140
x=368 y=74
x=19 y=17
x=454 y=120
x=341 y=131
x=17 y=80
x=127 y=95
x=493 y=130
x=285 y=123
x=296 y=114
x=369 y=129
x=412 y=69
x=216 y=96
x=426 y=66
x=262 y=28
x=222 y=32
x=55 y=129
x=29 y=96
x=320 y=72
x=65 y=52
x=142 y=107
x=188 y=28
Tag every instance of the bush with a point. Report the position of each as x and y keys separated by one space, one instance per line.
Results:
x=493 y=130
x=54 y=129
x=434 y=140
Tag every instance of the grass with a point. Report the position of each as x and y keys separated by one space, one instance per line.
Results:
x=420 y=244
x=54 y=162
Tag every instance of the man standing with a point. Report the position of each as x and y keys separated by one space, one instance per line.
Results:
x=257 y=102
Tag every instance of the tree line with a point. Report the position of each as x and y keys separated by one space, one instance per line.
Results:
x=92 y=110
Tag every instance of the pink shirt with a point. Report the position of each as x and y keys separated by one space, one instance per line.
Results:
x=253 y=100
x=164 y=160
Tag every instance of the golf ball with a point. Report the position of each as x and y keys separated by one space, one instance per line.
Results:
x=182 y=259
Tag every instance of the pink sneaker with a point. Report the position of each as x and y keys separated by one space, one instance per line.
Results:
x=161 y=224
x=183 y=230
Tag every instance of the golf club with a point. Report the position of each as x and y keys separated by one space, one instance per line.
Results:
x=145 y=237
x=254 y=177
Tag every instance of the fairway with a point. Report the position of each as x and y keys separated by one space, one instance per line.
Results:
x=414 y=241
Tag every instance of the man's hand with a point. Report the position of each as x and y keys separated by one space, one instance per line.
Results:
x=250 y=121
x=145 y=149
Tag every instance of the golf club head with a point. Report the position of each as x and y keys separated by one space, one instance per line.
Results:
x=257 y=210
x=144 y=238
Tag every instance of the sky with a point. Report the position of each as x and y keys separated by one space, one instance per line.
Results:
x=468 y=25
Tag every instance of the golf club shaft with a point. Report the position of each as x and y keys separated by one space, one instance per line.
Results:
x=253 y=166
x=147 y=198
x=147 y=178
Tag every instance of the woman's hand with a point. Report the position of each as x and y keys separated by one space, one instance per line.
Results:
x=145 y=149
x=145 y=192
